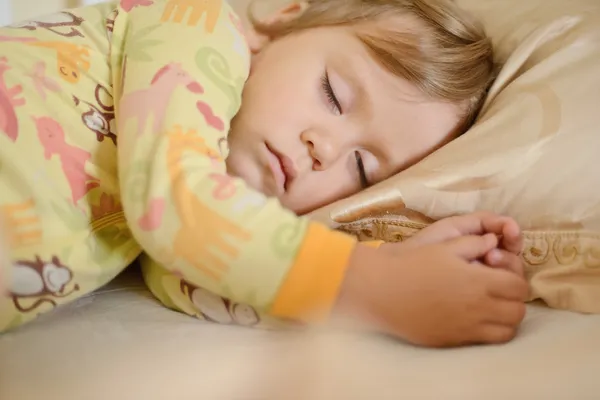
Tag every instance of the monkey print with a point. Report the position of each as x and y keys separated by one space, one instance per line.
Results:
x=110 y=23
x=217 y=309
x=100 y=119
x=55 y=23
x=40 y=280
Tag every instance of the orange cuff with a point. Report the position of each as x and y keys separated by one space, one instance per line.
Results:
x=311 y=287
x=373 y=243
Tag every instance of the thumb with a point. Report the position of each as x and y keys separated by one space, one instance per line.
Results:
x=473 y=247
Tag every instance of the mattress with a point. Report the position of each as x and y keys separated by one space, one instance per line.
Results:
x=119 y=343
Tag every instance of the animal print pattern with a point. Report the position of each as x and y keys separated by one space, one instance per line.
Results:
x=150 y=86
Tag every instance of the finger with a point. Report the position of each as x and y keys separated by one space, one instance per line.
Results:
x=503 y=226
x=495 y=334
x=505 y=285
x=503 y=259
x=512 y=239
x=439 y=232
x=506 y=312
x=473 y=247
x=472 y=224
x=453 y=227
x=479 y=223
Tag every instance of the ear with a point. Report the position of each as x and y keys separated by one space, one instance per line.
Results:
x=258 y=41
x=287 y=13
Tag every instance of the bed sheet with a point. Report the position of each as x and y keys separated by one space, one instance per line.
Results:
x=119 y=343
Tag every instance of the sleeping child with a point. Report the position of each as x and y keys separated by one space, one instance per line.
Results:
x=156 y=128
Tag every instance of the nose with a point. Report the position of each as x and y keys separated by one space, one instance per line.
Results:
x=322 y=147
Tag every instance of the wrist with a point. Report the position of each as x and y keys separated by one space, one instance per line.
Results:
x=354 y=299
x=311 y=286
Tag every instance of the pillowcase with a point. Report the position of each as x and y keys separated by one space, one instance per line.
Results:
x=533 y=154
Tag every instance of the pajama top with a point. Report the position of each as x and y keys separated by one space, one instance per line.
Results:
x=113 y=134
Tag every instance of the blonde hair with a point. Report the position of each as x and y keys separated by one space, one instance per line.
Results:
x=432 y=43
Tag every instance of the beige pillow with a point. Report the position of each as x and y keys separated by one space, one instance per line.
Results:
x=534 y=153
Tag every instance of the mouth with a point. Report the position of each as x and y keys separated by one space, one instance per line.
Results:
x=282 y=168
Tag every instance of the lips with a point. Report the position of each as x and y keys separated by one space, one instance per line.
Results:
x=282 y=167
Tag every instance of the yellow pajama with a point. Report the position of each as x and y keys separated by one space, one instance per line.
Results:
x=113 y=134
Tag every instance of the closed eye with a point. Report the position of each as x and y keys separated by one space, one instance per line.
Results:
x=330 y=94
x=364 y=182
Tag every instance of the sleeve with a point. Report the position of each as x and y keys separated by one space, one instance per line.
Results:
x=5 y=259
x=375 y=244
x=179 y=68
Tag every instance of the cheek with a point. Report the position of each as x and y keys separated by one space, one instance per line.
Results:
x=244 y=164
x=261 y=102
x=282 y=83
x=276 y=97
x=272 y=111
x=324 y=188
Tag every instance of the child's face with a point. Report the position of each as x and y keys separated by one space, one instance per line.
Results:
x=316 y=104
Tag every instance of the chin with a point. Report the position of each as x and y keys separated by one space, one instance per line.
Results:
x=295 y=207
x=237 y=170
x=248 y=173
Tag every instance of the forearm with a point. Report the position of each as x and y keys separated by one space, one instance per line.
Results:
x=183 y=209
x=4 y=259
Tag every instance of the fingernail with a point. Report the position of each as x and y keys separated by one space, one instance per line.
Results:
x=495 y=256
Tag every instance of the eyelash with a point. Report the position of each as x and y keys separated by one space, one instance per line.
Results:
x=364 y=182
x=333 y=101
x=331 y=97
